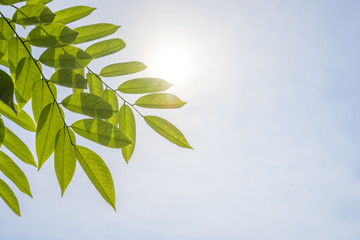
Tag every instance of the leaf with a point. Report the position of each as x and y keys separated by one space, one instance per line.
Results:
x=94 y=31
x=49 y=124
x=6 y=32
x=110 y=97
x=2 y=131
x=119 y=69
x=9 y=197
x=65 y=57
x=144 y=85
x=159 y=100
x=167 y=130
x=72 y=14
x=127 y=125
x=55 y=34
x=16 y=51
x=69 y=78
x=32 y=14
x=14 y=173
x=98 y=173
x=101 y=132
x=95 y=85
x=27 y=73
x=7 y=90
x=18 y=147
x=38 y=1
x=106 y=47
x=64 y=158
x=10 y=2
x=88 y=104
x=42 y=96
x=22 y=118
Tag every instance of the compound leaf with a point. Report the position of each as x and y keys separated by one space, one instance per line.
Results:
x=7 y=90
x=159 y=100
x=21 y=118
x=119 y=69
x=127 y=125
x=32 y=14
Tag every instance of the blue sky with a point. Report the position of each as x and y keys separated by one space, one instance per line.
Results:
x=272 y=115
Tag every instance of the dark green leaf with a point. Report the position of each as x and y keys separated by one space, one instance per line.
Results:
x=104 y=48
x=160 y=100
x=95 y=85
x=14 y=173
x=21 y=118
x=64 y=158
x=72 y=14
x=65 y=57
x=88 y=104
x=101 y=132
x=49 y=124
x=9 y=197
x=98 y=173
x=7 y=90
x=94 y=31
x=2 y=131
x=144 y=85
x=69 y=78
x=42 y=97
x=32 y=14
x=18 y=147
x=127 y=125
x=55 y=34
x=16 y=52
x=167 y=130
x=119 y=69
x=110 y=97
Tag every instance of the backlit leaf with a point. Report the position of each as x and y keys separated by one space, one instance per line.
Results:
x=101 y=132
x=2 y=131
x=6 y=33
x=16 y=52
x=144 y=85
x=110 y=97
x=95 y=85
x=38 y=1
x=72 y=14
x=159 y=100
x=50 y=122
x=119 y=69
x=18 y=147
x=106 y=47
x=64 y=157
x=94 y=31
x=167 y=130
x=65 y=57
x=127 y=125
x=9 y=168
x=7 y=90
x=10 y=2
x=69 y=78
x=32 y=14
x=98 y=173
x=42 y=97
x=21 y=118
x=9 y=197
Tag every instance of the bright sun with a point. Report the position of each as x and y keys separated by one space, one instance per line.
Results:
x=171 y=63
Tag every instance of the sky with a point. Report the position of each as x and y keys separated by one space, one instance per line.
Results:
x=272 y=90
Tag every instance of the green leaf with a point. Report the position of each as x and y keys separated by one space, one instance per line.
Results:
x=94 y=31
x=64 y=158
x=22 y=118
x=101 y=132
x=9 y=197
x=27 y=73
x=16 y=52
x=7 y=90
x=65 y=57
x=98 y=173
x=55 y=34
x=160 y=100
x=88 y=104
x=2 y=131
x=167 y=130
x=32 y=14
x=127 y=125
x=6 y=33
x=72 y=14
x=95 y=85
x=104 y=48
x=38 y=1
x=110 y=97
x=144 y=85
x=42 y=97
x=10 y=2
x=49 y=124
x=69 y=78
x=119 y=69
x=18 y=147
x=14 y=173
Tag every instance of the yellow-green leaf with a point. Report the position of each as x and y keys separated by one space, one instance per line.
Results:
x=38 y=1
x=128 y=126
x=94 y=31
x=167 y=130
x=101 y=132
x=69 y=78
x=9 y=197
x=144 y=85
x=72 y=14
x=16 y=52
x=95 y=85
x=98 y=173
x=42 y=96
x=6 y=32
x=10 y=2
x=32 y=14
x=7 y=90
x=106 y=47
x=160 y=100
x=2 y=132
x=119 y=69
x=21 y=118
x=111 y=97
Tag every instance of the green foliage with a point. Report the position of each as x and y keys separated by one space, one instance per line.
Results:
x=112 y=122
